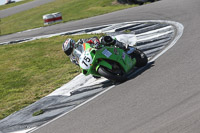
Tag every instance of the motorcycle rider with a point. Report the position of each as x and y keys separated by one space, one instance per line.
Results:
x=74 y=49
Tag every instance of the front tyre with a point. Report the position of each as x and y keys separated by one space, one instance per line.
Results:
x=105 y=72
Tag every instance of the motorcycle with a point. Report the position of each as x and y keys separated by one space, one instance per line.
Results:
x=110 y=62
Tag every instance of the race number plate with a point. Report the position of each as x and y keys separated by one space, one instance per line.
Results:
x=85 y=60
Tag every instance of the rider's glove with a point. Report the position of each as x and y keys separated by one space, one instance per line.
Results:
x=80 y=41
x=96 y=45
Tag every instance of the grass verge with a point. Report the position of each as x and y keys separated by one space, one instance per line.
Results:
x=39 y=112
x=2 y=7
x=70 y=9
x=31 y=70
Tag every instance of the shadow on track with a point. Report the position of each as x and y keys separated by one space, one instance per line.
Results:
x=139 y=71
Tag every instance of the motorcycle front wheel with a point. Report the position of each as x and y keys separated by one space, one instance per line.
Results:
x=105 y=72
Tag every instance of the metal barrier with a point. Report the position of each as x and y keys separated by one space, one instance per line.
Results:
x=52 y=18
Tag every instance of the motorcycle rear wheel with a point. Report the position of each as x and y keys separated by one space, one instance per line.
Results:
x=103 y=71
x=141 y=58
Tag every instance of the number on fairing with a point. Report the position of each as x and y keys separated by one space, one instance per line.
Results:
x=85 y=60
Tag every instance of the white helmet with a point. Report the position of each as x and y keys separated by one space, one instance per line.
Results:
x=68 y=46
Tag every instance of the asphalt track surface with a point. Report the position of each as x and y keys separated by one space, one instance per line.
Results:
x=153 y=38
x=162 y=99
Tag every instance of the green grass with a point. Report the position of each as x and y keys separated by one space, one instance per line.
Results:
x=39 y=112
x=31 y=70
x=70 y=9
x=2 y=7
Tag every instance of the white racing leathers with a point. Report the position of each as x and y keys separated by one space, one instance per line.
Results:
x=78 y=48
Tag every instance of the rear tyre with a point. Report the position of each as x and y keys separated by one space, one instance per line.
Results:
x=105 y=72
x=141 y=58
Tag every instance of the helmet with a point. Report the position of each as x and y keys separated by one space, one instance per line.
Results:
x=68 y=46
x=107 y=40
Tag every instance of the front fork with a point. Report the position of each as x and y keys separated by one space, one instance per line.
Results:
x=103 y=63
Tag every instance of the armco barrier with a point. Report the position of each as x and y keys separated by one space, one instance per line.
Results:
x=52 y=18
x=57 y=17
x=48 y=19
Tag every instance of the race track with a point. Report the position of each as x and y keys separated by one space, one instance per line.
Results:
x=153 y=37
x=162 y=99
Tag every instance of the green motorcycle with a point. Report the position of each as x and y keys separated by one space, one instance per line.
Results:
x=110 y=62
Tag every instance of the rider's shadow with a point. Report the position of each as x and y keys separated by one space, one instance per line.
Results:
x=100 y=86
x=139 y=71
x=91 y=90
x=136 y=72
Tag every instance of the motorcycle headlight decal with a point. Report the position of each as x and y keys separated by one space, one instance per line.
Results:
x=107 y=53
